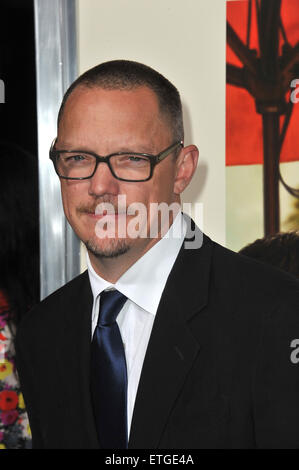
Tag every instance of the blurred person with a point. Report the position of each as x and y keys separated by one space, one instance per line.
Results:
x=19 y=281
x=280 y=250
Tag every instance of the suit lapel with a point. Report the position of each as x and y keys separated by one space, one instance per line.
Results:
x=172 y=348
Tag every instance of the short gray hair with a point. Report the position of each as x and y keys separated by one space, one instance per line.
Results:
x=125 y=74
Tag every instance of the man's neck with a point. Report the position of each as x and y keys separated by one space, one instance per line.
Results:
x=112 y=268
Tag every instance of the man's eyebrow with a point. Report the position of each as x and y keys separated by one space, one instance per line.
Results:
x=123 y=149
x=73 y=148
x=63 y=146
x=137 y=149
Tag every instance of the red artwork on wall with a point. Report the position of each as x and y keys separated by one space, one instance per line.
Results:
x=244 y=133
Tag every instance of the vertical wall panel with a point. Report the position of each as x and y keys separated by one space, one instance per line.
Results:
x=56 y=63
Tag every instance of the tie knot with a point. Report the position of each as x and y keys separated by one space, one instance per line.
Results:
x=111 y=303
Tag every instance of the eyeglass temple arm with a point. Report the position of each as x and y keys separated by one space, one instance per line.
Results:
x=166 y=152
x=52 y=146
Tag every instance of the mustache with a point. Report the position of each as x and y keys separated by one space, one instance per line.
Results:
x=112 y=201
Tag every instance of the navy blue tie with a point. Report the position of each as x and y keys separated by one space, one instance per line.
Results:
x=109 y=374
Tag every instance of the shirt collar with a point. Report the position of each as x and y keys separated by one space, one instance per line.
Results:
x=143 y=283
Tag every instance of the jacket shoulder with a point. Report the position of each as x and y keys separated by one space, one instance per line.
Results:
x=252 y=278
x=45 y=313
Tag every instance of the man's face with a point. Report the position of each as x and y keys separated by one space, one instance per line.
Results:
x=104 y=122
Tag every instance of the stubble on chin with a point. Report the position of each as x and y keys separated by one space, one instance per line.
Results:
x=112 y=249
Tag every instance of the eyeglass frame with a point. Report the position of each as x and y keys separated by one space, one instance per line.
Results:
x=153 y=159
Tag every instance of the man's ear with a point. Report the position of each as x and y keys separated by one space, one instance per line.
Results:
x=185 y=167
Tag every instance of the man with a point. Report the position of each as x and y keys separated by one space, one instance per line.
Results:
x=159 y=344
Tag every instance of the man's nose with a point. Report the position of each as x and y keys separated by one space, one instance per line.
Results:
x=103 y=182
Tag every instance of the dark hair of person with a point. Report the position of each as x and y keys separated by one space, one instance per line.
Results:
x=127 y=75
x=280 y=250
x=19 y=246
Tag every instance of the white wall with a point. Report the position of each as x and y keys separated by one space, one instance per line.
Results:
x=244 y=202
x=185 y=41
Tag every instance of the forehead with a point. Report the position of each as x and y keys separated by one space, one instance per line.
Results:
x=100 y=113
x=135 y=97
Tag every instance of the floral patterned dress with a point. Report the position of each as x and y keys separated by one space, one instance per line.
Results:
x=14 y=425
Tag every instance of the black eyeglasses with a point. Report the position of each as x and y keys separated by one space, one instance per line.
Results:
x=124 y=166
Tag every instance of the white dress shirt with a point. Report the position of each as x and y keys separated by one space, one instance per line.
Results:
x=143 y=284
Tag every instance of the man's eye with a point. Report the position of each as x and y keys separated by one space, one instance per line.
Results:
x=75 y=158
x=133 y=158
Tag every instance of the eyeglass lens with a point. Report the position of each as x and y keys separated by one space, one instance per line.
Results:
x=129 y=167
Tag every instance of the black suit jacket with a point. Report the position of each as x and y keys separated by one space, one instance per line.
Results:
x=217 y=372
